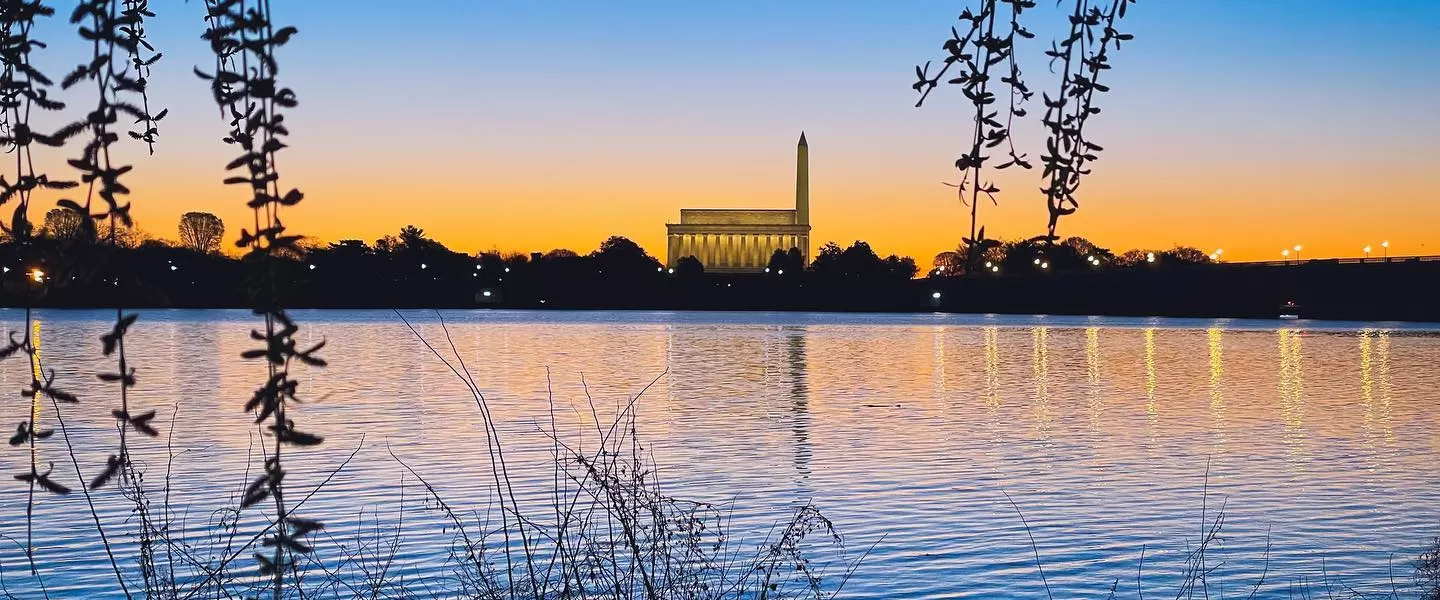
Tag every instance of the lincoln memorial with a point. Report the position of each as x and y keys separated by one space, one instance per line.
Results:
x=743 y=240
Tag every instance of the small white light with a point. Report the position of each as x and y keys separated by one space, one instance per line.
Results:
x=1385 y=244
x=780 y=272
x=507 y=269
x=1037 y=261
x=995 y=269
x=312 y=267
x=1150 y=257
x=7 y=269
x=486 y=293
x=477 y=267
x=988 y=264
x=1044 y=265
x=935 y=295
x=767 y=269
x=659 y=269
x=1367 y=249
x=1297 y=247
x=672 y=270
x=424 y=266
x=1219 y=251
x=174 y=268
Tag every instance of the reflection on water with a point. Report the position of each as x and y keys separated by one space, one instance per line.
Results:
x=1092 y=375
x=1216 y=338
x=905 y=428
x=799 y=398
x=1292 y=388
x=992 y=367
x=1040 y=365
x=1375 y=364
x=1150 y=371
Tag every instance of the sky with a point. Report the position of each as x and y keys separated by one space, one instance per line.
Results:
x=1247 y=125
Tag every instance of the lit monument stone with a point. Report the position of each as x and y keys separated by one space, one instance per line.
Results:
x=743 y=240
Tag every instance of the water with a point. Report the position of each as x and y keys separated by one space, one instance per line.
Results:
x=1320 y=439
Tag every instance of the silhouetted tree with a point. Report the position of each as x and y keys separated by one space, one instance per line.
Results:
x=201 y=232
x=859 y=262
x=901 y=267
x=689 y=267
x=122 y=236
x=619 y=256
x=561 y=254
x=1187 y=255
x=1135 y=257
x=785 y=262
x=62 y=224
x=948 y=264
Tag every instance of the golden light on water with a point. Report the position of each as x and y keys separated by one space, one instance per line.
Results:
x=1092 y=373
x=1216 y=338
x=992 y=367
x=1150 y=371
x=1292 y=388
x=1382 y=351
x=1367 y=396
x=1217 y=366
x=1092 y=354
x=1040 y=364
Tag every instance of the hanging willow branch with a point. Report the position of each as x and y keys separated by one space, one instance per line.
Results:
x=977 y=54
x=244 y=40
x=23 y=89
x=1084 y=56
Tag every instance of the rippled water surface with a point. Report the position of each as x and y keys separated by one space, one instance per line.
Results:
x=1320 y=439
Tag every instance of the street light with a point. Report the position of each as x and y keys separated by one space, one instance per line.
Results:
x=1297 y=253
x=935 y=295
x=1149 y=257
x=1367 y=253
x=1385 y=245
x=37 y=275
x=994 y=269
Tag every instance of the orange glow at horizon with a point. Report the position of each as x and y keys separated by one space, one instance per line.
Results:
x=514 y=205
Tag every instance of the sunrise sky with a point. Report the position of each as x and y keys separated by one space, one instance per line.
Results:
x=519 y=126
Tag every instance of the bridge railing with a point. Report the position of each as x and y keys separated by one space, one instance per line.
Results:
x=1342 y=261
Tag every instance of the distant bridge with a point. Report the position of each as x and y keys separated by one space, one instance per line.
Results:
x=1337 y=261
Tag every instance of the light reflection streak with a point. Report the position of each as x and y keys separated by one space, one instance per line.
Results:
x=1367 y=395
x=992 y=367
x=1040 y=364
x=1092 y=372
x=1292 y=389
x=1382 y=348
x=1216 y=338
x=1150 y=372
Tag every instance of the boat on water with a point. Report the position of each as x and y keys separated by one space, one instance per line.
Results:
x=1289 y=310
